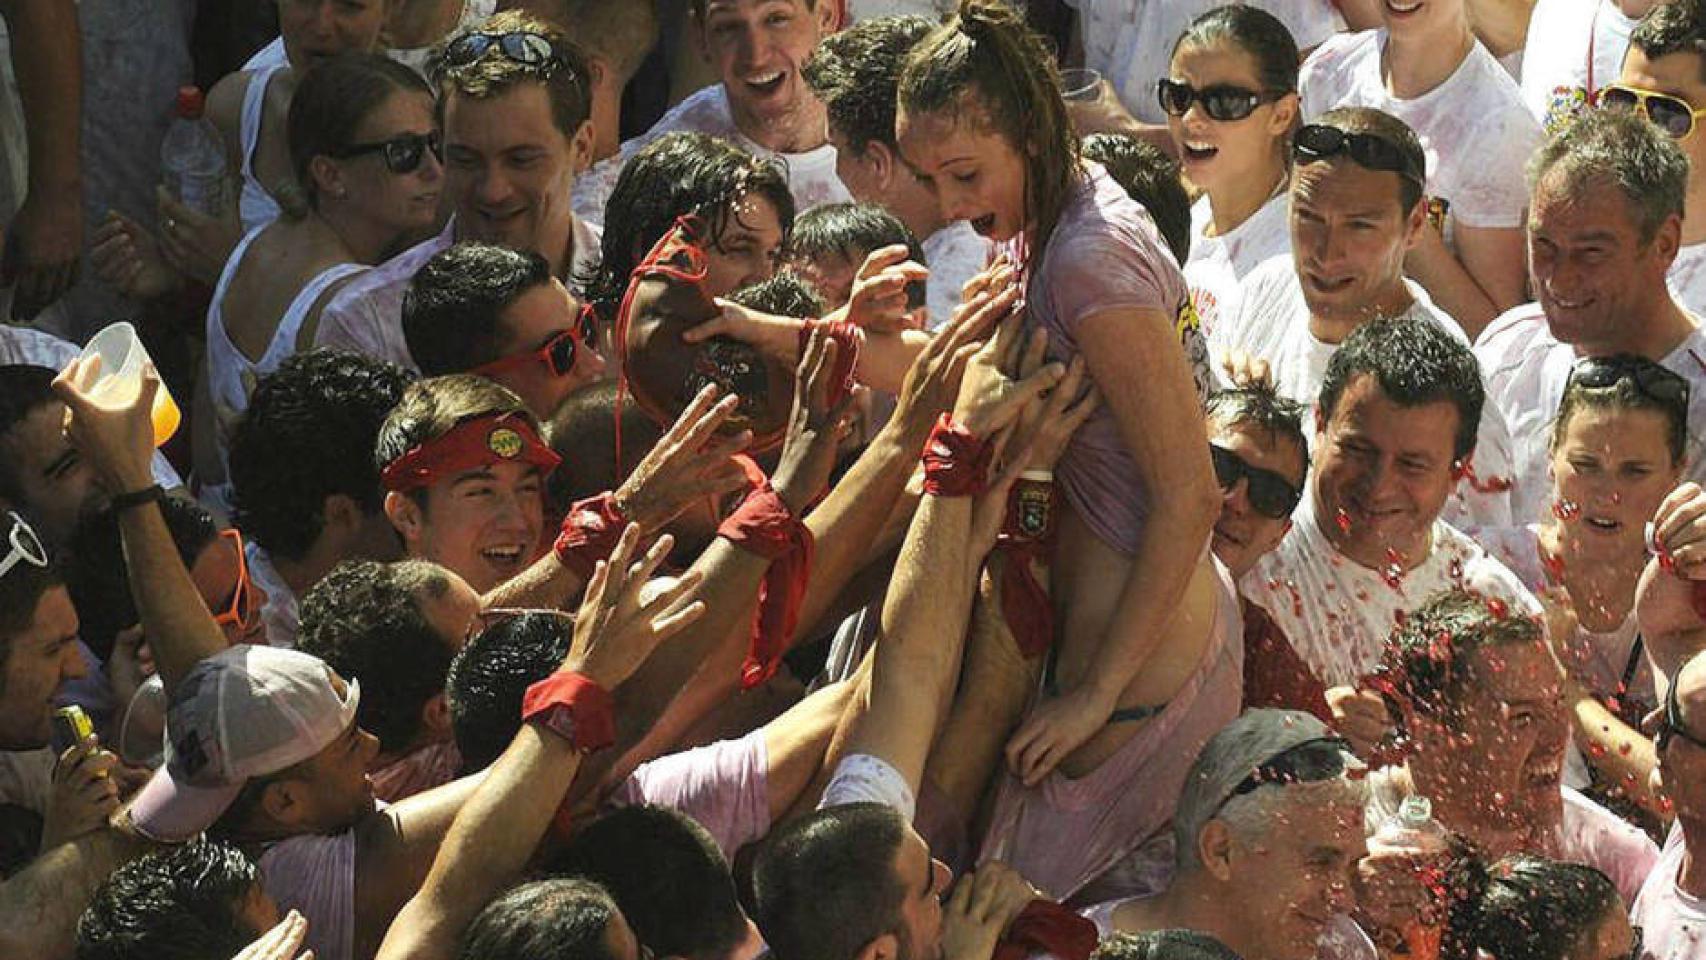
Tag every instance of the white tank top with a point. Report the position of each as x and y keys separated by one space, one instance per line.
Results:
x=231 y=376
x=255 y=204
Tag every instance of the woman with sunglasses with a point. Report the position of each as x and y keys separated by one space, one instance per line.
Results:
x=982 y=122
x=1617 y=450
x=365 y=145
x=1230 y=96
x=1425 y=67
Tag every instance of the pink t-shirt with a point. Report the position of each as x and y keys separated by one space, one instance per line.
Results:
x=725 y=786
x=1063 y=833
x=314 y=875
x=1672 y=922
x=433 y=765
x=1106 y=254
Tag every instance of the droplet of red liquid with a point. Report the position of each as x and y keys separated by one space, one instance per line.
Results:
x=1343 y=519
x=1498 y=607
x=1566 y=510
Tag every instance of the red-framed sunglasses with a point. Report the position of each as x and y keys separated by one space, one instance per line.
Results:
x=242 y=612
x=558 y=354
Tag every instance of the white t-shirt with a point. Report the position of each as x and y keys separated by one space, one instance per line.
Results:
x=1571 y=42
x=280 y=615
x=1672 y=921
x=1687 y=278
x=1272 y=322
x=366 y=315
x=1338 y=614
x=1473 y=127
x=1526 y=368
x=415 y=58
x=811 y=175
x=1131 y=41
x=954 y=254
x=1217 y=266
x=31 y=347
x=1587 y=832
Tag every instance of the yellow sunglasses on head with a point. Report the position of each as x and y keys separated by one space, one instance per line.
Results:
x=1672 y=114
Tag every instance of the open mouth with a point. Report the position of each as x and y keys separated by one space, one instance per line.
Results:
x=1197 y=151
x=504 y=556
x=1402 y=9
x=1329 y=284
x=765 y=84
x=984 y=224
x=1545 y=777
x=1602 y=524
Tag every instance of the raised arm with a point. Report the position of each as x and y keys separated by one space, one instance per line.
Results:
x=45 y=238
x=498 y=829
x=1670 y=603
x=118 y=441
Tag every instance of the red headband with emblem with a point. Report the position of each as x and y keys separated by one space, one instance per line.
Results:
x=477 y=442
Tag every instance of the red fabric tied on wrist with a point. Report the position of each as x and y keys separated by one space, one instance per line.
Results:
x=956 y=464
x=590 y=534
x=850 y=339
x=591 y=709
x=482 y=441
x=764 y=525
x=1027 y=536
x=1047 y=927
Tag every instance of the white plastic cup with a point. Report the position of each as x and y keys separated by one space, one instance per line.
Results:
x=1080 y=84
x=119 y=379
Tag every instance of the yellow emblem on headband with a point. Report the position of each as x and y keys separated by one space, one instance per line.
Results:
x=504 y=442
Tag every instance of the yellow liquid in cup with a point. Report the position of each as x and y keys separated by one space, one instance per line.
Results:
x=116 y=392
x=166 y=416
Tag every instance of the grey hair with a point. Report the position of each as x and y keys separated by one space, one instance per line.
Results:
x=1619 y=149
x=1229 y=757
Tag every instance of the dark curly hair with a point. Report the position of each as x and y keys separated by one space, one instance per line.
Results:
x=365 y=620
x=177 y=903
x=308 y=435
x=1524 y=907
x=1427 y=663
x=1416 y=363
x=678 y=174
x=855 y=74
x=491 y=674
x=452 y=309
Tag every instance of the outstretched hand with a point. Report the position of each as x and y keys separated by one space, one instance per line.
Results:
x=689 y=463
x=620 y=622
x=815 y=429
x=878 y=300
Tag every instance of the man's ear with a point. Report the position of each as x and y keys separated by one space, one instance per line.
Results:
x=829 y=14
x=1214 y=849
x=580 y=148
x=886 y=946
x=283 y=802
x=435 y=718
x=405 y=516
x=882 y=161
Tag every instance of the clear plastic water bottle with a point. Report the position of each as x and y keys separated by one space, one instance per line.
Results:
x=192 y=157
x=1413 y=832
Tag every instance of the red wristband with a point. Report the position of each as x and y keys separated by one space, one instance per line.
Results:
x=764 y=525
x=590 y=533
x=575 y=708
x=956 y=464
x=851 y=339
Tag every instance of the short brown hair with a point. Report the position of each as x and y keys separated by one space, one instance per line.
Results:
x=1394 y=131
x=433 y=407
x=567 y=79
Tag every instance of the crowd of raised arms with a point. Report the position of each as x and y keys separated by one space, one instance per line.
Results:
x=853 y=480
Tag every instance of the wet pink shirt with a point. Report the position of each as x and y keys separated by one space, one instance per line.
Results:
x=1064 y=833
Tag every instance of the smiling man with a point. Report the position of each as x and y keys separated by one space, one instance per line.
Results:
x=464 y=473
x=1604 y=225
x=514 y=103
x=763 y=104
x=1356 y=209
x=1397 y=410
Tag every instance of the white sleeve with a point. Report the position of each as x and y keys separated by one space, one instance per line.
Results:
x=863 y=778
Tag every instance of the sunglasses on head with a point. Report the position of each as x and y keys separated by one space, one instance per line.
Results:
x=1270 y=494
x=1653 y=381
x=1318 y=141
x=1674 y=115
x=22 y=546
x=520 y=46
x=242 y=612
x=1222 y=102
x=403 y=154
x=1670 y=724
x=558 y=354
x=1311 y=761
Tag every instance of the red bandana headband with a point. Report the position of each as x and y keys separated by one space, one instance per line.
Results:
x=477 y=442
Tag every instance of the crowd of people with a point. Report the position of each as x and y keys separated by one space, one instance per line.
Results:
x=862 y=480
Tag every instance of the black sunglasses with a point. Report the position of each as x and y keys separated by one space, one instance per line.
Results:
x=1653 y=381
x=1221 y=101
x=1311 y=761
x=402 y=154
x=1670 y=724
x=1318 y=141
x=1270 y=494
x=521 y=46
